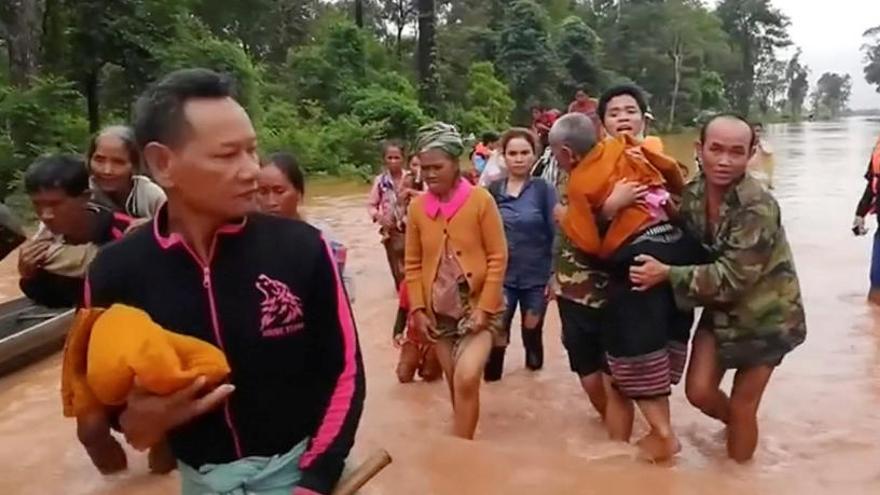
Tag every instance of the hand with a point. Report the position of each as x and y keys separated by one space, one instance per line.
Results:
x=858 y=227
x=549 y=293
x=422 y=324
x=559 y=212
x=625 y=193
x=31 y=257
x=147 y=417
x=648 y=273
x=479 y=320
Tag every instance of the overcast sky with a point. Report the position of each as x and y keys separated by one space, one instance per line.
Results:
x=830 y=34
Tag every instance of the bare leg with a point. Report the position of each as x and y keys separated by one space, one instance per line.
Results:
x=443 y=349
x=661 y=443
x=742 y=430
x=93 y=432
x=704 y=378
x=408 y=362
x=619 y=412
x=467 y=378
x=595 y=389
x=430 y=369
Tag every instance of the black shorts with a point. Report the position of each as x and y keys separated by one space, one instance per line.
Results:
x=646 y=335
x=582 y=336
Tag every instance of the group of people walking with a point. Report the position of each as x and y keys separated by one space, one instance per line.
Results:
x=597 y=218
x=626 y=247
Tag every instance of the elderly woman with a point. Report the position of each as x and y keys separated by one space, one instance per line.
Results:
x=114 y=160
x=456 y=256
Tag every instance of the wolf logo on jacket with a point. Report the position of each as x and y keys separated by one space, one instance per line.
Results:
x=281 y=308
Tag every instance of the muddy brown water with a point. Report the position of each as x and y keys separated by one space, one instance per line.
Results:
x=820 y=420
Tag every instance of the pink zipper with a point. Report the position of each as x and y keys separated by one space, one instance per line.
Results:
x=215 y=322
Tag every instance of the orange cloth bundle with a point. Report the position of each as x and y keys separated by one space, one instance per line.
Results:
x=107 y=349
x=592 y=181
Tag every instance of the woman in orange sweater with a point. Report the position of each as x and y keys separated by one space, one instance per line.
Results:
x=456 y=257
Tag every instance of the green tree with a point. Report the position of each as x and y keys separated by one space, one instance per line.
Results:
x=832 y=94
x=690 y=34
x=332 y=68
x=580 y=52
x=266 y=29
x=770 y=79
x=47 y=116
x=124 y=33
x=665 y=47
x=525 y=57
x=756 y=29
x=195 y=46
x=22 y=24
x=872 y=56
x=797 y=77
x=395 y=110
x=427 y=54
x=712 y=91
x=488 y=100
x=399 y=14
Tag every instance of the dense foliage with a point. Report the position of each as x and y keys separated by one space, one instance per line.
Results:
x=328 y=84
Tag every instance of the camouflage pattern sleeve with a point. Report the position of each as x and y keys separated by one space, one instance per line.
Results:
x=744 y=252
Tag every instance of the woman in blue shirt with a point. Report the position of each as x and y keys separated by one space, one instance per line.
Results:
x=526 y=205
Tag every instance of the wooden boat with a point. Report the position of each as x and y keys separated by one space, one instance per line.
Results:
x=29 y=332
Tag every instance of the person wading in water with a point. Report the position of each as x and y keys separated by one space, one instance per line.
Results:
x=456 y=256
x=526 y=205
x=387 y=205
x=867 y=205
x=753 y=312
x=211 y=269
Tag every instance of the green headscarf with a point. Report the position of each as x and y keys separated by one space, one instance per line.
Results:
x=440 y=135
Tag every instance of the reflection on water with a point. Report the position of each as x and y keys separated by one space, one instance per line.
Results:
x=819 y=422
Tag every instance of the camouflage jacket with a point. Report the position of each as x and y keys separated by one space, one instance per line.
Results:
x=750 y=292
x=574 y=279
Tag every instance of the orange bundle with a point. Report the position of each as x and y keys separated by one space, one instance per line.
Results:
x=107 y=349
x=592 y=181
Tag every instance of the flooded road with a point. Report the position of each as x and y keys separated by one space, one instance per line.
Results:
x=820 y=420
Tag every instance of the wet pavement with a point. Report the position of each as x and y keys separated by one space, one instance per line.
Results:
x=820 y=420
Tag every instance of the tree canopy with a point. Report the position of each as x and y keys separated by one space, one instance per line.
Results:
x=328 y=79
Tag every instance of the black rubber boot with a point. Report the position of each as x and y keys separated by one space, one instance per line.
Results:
x=534 y=344
x=495 y=365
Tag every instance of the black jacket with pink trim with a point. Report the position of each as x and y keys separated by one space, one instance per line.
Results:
x=271 y=298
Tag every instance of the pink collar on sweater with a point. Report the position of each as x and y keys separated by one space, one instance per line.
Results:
x=434 y=206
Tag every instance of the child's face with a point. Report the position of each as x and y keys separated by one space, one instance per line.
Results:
x=62 y=214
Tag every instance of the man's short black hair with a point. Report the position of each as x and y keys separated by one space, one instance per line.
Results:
x=159 y=112
x=728 y=115
x=64 y=171
x=619 y=90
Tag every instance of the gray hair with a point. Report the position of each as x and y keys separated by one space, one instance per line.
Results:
x=576 y=131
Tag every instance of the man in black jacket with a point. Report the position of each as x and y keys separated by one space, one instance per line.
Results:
x=263 y=289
